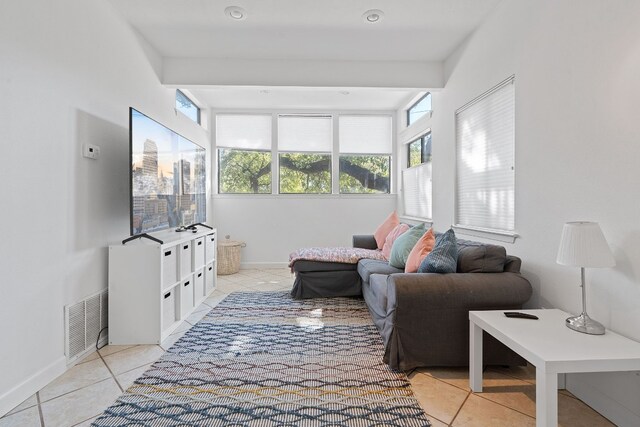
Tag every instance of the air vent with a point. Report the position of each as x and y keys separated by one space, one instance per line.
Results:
x=84 y=320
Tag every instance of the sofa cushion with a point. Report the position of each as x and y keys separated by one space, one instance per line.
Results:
x=385 y=228
x=399 y=230
x=367 y=267
x=476 y=257
x=403 y=245
x=305 y=266
x=444 y=256
x=378 y=294
x=421 y=249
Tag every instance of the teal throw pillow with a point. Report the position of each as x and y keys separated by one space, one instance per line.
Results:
x=403 y=245
x=444 y=256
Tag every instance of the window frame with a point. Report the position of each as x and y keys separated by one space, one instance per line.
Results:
x=408 y=112
x=198 y=109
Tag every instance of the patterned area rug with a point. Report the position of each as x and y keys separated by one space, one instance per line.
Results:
x=264 y=359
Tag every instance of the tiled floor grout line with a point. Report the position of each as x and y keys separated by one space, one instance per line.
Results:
x=84 y=421
x=459 y=409
x=479 y=395
x=115 y=352
x=111 y=372
x=430 y=417
x=73 y=391
x=485 y=398
x=443 y=381
x=503 y=405
x=512 y=376
x=39 y=409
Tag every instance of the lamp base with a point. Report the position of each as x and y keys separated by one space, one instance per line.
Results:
x=585 y=324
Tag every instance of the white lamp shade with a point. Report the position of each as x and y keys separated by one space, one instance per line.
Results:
x=583 y=245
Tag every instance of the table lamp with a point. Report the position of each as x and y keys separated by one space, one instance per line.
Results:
x=583 y=245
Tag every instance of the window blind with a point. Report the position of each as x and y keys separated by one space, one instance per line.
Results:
x=365 y=134
x=299 y=133
x=416 y=188
x=485 y=160
x=244 y=131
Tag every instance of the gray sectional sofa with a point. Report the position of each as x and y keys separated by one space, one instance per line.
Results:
x=423 y=318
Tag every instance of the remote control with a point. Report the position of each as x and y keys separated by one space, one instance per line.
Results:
x=518 y=315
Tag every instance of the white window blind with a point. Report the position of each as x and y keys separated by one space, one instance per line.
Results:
x=365 y=134
x=299 y=133
x=243 y=131
x=485 y=154
x=416 y=188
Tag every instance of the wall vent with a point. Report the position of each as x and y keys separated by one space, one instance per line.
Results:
x=83 y=322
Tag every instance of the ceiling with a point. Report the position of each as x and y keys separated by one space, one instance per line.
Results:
x=410 y=30
x=320 y=30
x=294 y=98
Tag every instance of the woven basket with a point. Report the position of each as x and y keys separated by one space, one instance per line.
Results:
x=229 y=256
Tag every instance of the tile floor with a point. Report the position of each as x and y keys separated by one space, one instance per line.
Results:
x=84 y=391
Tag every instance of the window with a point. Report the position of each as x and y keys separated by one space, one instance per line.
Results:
x=417 y=191
x=365 y=153
x=305 y=143
x=419 y=151
x=485 y=154
x=244 y=153
x=302 y=156
x=417 y=179
x=187 y=107
x=420 y=108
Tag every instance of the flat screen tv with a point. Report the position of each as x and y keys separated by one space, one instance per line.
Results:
x=167 y=177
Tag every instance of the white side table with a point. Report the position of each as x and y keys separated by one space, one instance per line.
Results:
x=552 y=348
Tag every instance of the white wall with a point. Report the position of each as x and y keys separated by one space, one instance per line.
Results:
x=577 y=68
x=273 y=226
x=69 y=71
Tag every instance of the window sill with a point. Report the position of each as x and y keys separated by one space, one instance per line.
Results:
x=499 y=235
x=304 y=196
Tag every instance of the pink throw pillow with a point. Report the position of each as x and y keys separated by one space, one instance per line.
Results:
x=420 y=250
x=385 y=228
x=391 y=237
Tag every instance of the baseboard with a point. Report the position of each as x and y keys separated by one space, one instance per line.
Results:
x=605 y=405
x=261 y=265
x=24 y=390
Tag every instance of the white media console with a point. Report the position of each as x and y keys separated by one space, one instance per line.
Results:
x=153 y=287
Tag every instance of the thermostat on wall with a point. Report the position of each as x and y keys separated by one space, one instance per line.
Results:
x=91 y=151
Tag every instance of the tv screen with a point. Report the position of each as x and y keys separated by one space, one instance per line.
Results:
x=168 y=177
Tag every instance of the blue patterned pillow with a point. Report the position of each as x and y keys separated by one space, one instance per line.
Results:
x=444 y=256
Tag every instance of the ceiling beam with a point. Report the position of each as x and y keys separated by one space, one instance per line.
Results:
x=185 y=72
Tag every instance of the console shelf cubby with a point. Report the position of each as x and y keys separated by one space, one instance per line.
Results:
x=153 y=287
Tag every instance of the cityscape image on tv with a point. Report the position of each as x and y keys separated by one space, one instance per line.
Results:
x=168 y=177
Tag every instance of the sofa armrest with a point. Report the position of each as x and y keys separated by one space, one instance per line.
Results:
x=428 y=316
x=471 y=291
x=365 y=241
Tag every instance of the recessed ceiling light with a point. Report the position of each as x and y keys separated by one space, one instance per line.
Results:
x=373 y=16
x=235 y=12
